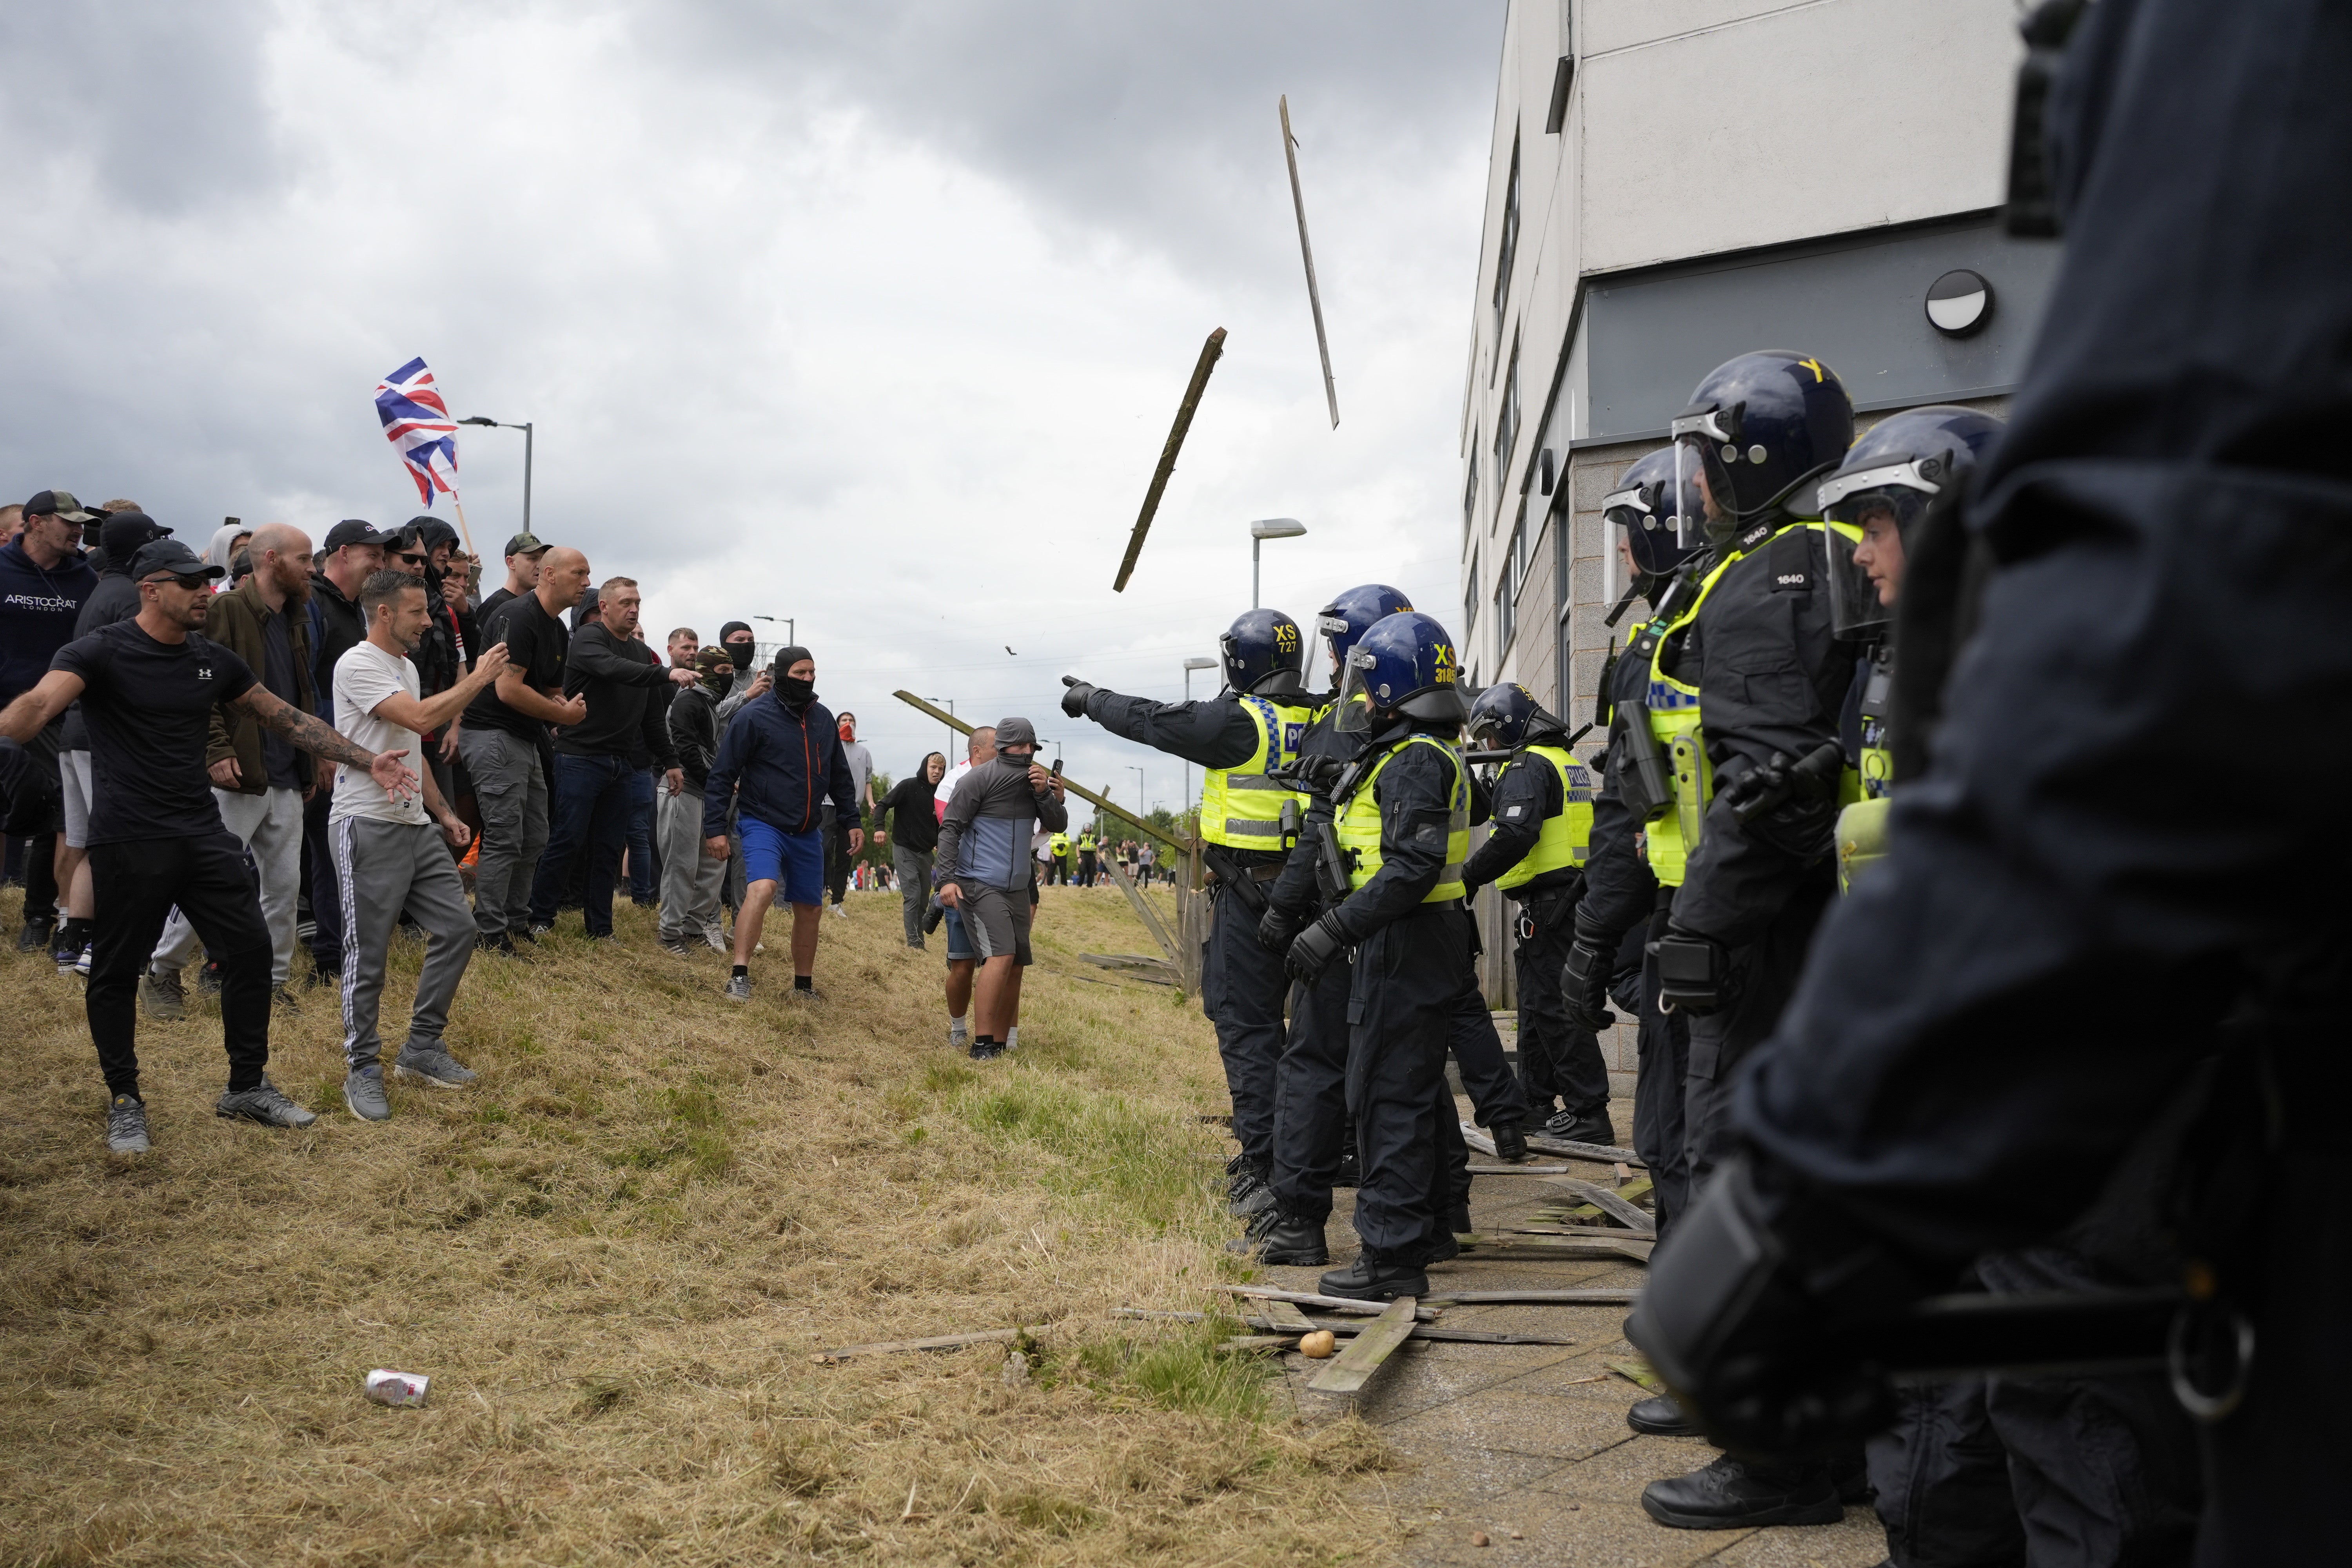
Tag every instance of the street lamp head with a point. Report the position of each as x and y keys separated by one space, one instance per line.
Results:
x=477 y=419
x=1200 y=663
x=1276 y=528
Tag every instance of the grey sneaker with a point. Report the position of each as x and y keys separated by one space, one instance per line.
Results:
x=809 y=993
x=716 y=938
x=739 y=988
x=126 y=1126
x=263 y=1104
x=363 y=1094
x=438 y=1068
x=162 y=996
x=958 y=1035
x=678 y=947
x=283 y=1000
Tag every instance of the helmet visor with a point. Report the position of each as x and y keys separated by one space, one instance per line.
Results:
x=1856 y=612
x=1355 y=705
x=1705 y=475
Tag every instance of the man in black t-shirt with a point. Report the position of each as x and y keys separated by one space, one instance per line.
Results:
x=148 y=688
x=500 y=740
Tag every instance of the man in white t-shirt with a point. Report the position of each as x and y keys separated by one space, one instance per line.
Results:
x=389 y=854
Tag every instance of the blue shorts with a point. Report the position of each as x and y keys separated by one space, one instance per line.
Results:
x=794 y=860
x=959 y=940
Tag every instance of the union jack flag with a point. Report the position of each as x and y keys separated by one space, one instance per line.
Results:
x=417 y=421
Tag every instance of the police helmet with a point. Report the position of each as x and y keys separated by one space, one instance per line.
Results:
x=1403 y=664
x=1263 y=651
x=1757 y=427
x=1350 y=615
x=1505 y=716
x=1659 y=510
x=1883 y=488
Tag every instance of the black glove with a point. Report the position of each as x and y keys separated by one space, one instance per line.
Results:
x=1694 y=971
x=1811 y=779
x=1277 y=926
x=1584 y=982
x=1074 y=698
x=1314 y=950
x=1751 y=1317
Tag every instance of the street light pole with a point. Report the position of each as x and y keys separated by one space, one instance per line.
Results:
x=1261 y=531
x=527 y=443
x=1189 y=666
x=792 y=626
x=1141 y=809
x=948 y=703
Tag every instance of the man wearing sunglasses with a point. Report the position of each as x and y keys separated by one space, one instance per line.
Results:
x=149 y=686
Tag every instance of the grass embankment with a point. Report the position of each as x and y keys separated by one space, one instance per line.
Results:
x=615 y=1255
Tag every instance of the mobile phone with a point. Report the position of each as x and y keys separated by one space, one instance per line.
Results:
x=1057 y=767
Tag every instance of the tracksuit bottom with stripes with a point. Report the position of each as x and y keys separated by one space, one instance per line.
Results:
x=383 y=868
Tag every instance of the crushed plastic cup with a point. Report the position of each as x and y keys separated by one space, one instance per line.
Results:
x=396 y=1388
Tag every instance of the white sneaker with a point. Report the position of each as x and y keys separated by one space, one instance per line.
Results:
x=716 y=938
x=959 y=1034
x=841 y=910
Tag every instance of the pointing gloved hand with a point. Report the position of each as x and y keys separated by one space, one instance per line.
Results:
x=1314 y=950
x=1074 y=698
x=1277 y=926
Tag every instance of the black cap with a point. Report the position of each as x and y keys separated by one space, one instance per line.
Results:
x=122 y=534
x=354 y=530
x=62 y=502
x=527 y=544
x=170 y=556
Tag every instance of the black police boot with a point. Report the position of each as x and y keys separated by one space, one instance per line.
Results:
x=1739 y=1494
x=1591 y=1126
x=1660 y=1416
x=1458 y=1220
x=1510 y=1141
x=1366 y=1280
x=1292 y=1241
x=1851 y=1475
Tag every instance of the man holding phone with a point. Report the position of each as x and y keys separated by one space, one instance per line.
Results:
x=985 y=871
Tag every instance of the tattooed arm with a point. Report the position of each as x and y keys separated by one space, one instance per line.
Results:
x=308 y=732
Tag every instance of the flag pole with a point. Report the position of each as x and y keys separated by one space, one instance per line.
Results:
x=461 y=524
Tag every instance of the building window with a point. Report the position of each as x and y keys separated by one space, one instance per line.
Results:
x=1506 y=245
x=1470 y=497
x=1507 y=424
x=1470 y=599
x=1503 y=597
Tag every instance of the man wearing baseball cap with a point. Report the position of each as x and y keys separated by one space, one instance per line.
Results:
x=149 y=687
x=43 y=582
x=354 y=548
x=524 y=552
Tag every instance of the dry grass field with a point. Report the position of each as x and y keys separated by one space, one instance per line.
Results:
x=615 y=1256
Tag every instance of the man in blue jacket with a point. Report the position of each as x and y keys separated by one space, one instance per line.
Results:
x=782 y=751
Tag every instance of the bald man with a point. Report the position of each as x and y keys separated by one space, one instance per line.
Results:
x=500 y=741
x=258 y=778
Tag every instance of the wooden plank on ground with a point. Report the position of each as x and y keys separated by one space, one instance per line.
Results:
x=1544 y=1245
x=938 y=1342
x=1284 y=1317
x=1599 y=1153
x=1363 y=1357
x=1609 y=1202
x=1344 y=1328
x=1328 y=1303
x=1519 y=1170
x=1594 y=1296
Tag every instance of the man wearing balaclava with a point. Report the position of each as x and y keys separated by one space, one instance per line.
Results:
x=752 y=678
x=782 y=751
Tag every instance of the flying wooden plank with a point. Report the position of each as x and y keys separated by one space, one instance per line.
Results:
x=1184 y=411
x=1307 y=251
x=1363 y=1357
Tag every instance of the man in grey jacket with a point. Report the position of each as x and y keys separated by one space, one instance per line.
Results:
x=985 y=870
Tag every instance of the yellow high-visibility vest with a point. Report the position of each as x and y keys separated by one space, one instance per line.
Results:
x=1566 y=838
x=1359 y=823
x=1241 y=808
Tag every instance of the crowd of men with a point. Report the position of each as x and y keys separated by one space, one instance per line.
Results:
x=196 y=749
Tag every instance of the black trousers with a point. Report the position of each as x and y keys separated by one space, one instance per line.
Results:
x=1242 y=991
x=1763 y=977
x=1403 y=1005
x=326 y=889
x=1661 y=1050
x=1556 y=1059
x=1086 y=869
x=135 y=885
x=836 y=854
x=1311 y=1095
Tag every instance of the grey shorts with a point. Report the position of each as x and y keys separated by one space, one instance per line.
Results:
x=997 y=922
x=74 y=768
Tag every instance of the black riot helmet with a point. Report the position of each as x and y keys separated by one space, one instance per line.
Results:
x=1757 y=427
x=1881 y=491
x=1507 y=716
x=1263 y=651
x=1659 y=510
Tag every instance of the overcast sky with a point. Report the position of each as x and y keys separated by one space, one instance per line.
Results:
x=873 y=316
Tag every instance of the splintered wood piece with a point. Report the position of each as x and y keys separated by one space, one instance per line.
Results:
x=939 y=1343
x=1518 y=1170
x=1328 y=1303
x=1210 y=352
x=1608 y=1201
x=1599 y=1153
x=1286 y=1317
x=1637 y=1373
x=1364 y=1355
x=1584 y=1297
x=1247 y=1344
x=1553 y=1245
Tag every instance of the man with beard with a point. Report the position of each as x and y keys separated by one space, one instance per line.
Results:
x=389 y=856
x=259 y=777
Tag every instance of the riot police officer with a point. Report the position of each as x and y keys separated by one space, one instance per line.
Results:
x=1242 y=736
x=1771 y=680
x=1402 y=831
x=1542 y=816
